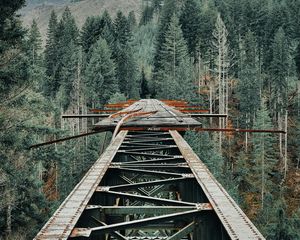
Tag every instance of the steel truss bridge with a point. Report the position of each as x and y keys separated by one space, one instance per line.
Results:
x=149 y=183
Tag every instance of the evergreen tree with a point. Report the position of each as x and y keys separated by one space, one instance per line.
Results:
x=168 y=10
x=132 y=21
x=264 y=158
x=57 y=54
x=89 y=34
x=147 y=15
x=19 y=195
x=157 y=4
x=70 y=75
x=34 y=43
x=205 y=148
x=190 y=21
x=51 y=84
x=279 y=71
x=249 y=87
x=10 y=31
x=127 y=71
x=100 y=78
x=93 y=29
x=108 y=29
x=176 y=69
x=144 y=85
x=69 y=29
x=122 y=29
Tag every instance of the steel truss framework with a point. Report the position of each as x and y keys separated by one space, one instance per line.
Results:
x=149 y=185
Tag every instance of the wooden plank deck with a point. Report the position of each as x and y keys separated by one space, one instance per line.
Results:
x=165 y=116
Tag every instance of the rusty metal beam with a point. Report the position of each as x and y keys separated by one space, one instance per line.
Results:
x=85 y=116
x=183 y=232
x=144 y=154
x=132 y=224
x=146 y=172
x=104 y=110
x=159 y=160
x=201 y=129
x=149 y=210
x=148 y=199
x=64 y=139
x=146 y=149
x=193 y=110
x=147 y=184
x=116 y=234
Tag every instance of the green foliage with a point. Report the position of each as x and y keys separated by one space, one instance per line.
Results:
x=114 y=60
x=11 y=32
x=206 y=149
x=249 y=88
x=51 y=57
x=279 y=71
x=94 y=28
x=147 y=15
x=34 y=43
x=168 y=11
x=144 y=93
x=190 y=21
x=175 y=79
x=132 y=21
x=100 y=75
x=263 y=156
x=122 y=29
x=117 y=97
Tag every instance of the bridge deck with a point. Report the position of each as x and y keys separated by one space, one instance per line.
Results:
x=149 y=185
x=165 y=116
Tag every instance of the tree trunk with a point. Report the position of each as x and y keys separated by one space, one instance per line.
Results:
x=285 y=145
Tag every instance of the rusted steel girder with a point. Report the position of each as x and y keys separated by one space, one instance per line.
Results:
x=128 y=117
x=193 y=110
x=201 y=129
x=105 y=110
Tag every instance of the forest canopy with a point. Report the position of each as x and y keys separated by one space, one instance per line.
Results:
x=240 y=58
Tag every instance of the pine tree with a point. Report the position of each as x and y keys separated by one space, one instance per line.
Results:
x=126 y=71
x=144 y=85
x=191 y=24
x=89 y=34
x=93 y=29
x=174 y=49
x=51 y=57
x=108 y=29
x=122 y=29
x=249 y=87
x=60 y=39
x=279 y=72
x=69 y=76
x=19 y=184
x=176 y=69
x=132 y=21
x=264 y=158
x=100 y=78
x=205 y=148
x=208 y=16
x=147 y=15
x=34 y=43
x=169 y=8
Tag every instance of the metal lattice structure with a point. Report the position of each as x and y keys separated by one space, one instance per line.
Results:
x=149 y=184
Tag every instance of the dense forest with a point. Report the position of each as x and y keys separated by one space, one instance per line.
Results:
x=241 y=58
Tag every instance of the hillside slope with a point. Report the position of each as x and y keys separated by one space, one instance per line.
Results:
x=80 y=10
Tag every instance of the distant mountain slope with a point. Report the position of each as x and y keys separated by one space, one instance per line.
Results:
x=40 y=10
